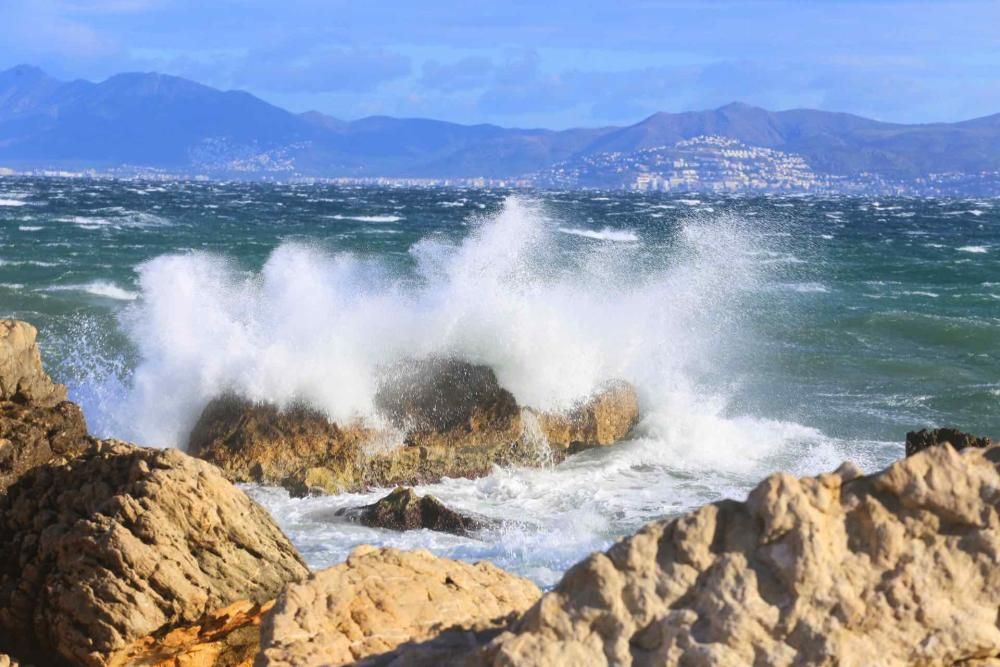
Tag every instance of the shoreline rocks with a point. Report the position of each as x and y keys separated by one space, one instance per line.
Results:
x=362 y=610
x=403 y=509
x=122 y=541
x=453 y=418
x=918 y=441
x=22 y=377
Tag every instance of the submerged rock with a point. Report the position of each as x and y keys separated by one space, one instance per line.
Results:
x=403 y=509
x=32 y=435
x=452 y=418
x=917 y=441
x=122 y=541
x=362 y=610
x=898 y=568
x=22 y=378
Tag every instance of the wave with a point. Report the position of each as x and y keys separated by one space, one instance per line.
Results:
x=976 y=249
x=101 y=288
x=12 y=202
x=29 y=228
x=605 y=234
x=368 y=218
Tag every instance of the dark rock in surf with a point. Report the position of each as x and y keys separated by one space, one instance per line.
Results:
x=403 y=509
x=450 y=419
x=917 y=441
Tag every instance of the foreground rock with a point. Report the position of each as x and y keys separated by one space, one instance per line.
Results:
x=455 y=419
x=228 y=637
x=123 y=541
x=898 y=568
x=382 y=598
x=918 y=441
x=22 y=378
x=403 y=509
x=32 y=435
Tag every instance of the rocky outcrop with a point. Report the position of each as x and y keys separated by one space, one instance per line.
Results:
x=918 y=441
x=228 y=637
x=122 y=541
x=403 y=509
x=22 y=378
x=363 y=609
x=32 y=435
x=897 y=568
x=453 y=418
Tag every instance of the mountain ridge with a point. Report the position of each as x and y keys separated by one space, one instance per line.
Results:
x=160 y=121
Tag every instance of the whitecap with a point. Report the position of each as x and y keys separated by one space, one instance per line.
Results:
x=102 y=288
x=976 y=249
x=12 y=202
x=368 y=218
x=29 y=228
x=605 y=234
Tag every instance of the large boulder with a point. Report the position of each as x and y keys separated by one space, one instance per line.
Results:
x=918 y=441
x=32 y=435
x=122 y=541
x=446 y=419
x=22 y=378
x=897 y=568
x=404 y=509
x=365 y=608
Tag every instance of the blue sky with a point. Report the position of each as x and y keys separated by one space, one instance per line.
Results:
x=552 y=63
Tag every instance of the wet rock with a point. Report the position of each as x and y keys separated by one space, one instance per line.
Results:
x=227 y=637
x=834 y=569
x=451 y=419
x=122 y=541
x=362 y=610
x=22 y=378
x=32 y=435
x=917 y=441
x=403 y=509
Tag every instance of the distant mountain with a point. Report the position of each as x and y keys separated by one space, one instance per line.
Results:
x=157 y=121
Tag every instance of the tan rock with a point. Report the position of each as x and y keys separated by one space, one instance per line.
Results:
x=228 y=637
x=31 y=435
x=22 y=378
x=122 y=541
x=898 y=568
x=381 y=598
x=453 y=418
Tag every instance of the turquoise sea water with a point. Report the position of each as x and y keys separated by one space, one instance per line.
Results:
x=763 y=333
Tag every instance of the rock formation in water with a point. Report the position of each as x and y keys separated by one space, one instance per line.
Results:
x=897 y=568
x=122 y=541
x=403 y=509
x=458 y=422
x=363 y=609
x=22 y=378
x=918 y=441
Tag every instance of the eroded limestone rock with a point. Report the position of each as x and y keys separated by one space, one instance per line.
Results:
x=22 y=378
x=122 y=541
x=918 y=441
x=404 y=509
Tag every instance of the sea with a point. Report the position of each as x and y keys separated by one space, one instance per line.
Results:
x=764 y=334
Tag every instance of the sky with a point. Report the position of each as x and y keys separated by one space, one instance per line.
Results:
x=544 y=63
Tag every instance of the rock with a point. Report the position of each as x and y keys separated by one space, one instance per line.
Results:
x=382 y=598
x=604 y=419
x=403 y=509
x=454 y=420
x=22 y=378
x=122 y=541
x=31 y=435
x=897 y=568
x=228 y=637
x=917 y=441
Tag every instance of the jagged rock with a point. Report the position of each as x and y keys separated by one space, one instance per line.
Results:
x=22 y=378
x=228 y=637
x=457 y=420
x=381 y=598
x=32 y=435
x=917 y=441
x=122 y=541
x=897 y=568
x=403 y=509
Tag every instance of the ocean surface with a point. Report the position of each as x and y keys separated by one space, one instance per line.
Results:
x=763 y=334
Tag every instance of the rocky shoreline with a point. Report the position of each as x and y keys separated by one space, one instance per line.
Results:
x=113 y=554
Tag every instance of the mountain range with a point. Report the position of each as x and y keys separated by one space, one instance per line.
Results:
x=148 y=120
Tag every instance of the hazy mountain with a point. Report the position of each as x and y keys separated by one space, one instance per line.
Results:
x=154 y=120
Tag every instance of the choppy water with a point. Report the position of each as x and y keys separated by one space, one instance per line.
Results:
x=763 y=334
